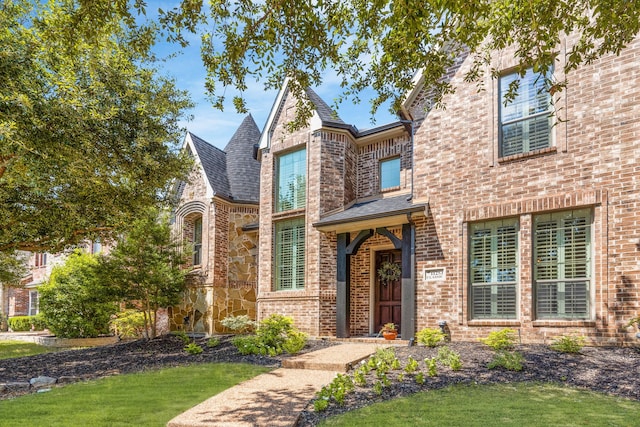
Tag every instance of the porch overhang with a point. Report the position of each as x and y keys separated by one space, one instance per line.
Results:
x=372 y=214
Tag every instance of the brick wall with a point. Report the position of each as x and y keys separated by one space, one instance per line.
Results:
x=593 y=164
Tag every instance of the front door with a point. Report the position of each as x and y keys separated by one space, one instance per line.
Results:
x=388 y=298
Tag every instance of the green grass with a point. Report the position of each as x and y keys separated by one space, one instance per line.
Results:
x=497 y=405
x=144 y=399
x=11 y=349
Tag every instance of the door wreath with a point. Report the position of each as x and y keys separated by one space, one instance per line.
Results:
x=389 y=272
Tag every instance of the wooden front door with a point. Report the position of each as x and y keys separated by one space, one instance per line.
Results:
x=388 y=300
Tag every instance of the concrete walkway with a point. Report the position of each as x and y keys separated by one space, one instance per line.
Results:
x=275 y=399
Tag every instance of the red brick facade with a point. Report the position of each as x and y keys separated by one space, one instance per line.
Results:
x=593 y=163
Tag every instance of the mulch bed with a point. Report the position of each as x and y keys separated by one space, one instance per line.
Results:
x=611 y=370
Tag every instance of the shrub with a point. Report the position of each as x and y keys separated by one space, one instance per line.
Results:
x=128 y=324
x=450 y=358
x=509 y=360
x=74 y=302
x=239 y=324
x=568 y=343
x=193 y=348
x=275 y=335
x=432 y=367
x=20 y=323
x=39 y=322
x=504 y=339
x=213 y=342
x=182 y=335
x=430 y=337
x=412 y=366
x=337 y=390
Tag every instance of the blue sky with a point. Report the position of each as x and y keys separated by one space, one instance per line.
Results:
x=217 y=127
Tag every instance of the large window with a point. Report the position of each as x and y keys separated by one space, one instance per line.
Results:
x=292 y=181
x=197 y=241
x=389 y=173
x=493 y=269
x=40 y=259
x=562 y=264
x=525 y=123
x=289 y=254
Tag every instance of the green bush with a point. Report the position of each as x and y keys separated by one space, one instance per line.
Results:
x=504 y=339
x=20 y=323
x=128 y=324
x=73 y=301
x=510 y=360
x=275 y=335
x=449 y=357
x=182 y=335
x=213 y=342
x=568 y=343
x=430 y=337
x=193 y=348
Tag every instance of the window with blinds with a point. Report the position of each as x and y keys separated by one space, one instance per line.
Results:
x=289 y=254
x=291 y=192
x=493 y=269
x=525 y=121
x=562 y=265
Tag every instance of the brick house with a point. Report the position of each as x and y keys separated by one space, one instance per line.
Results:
x=24 y=300
x=218 y=214
x=524 y=215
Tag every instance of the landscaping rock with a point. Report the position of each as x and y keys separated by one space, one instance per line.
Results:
x=42 y=381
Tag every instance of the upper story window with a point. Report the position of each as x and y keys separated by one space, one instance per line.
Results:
x=40 y=259
x=96 y=247
x=525 y=121
x=562 y=264
x=291 y=192
x=197 y=241
x=389 y=173
x=493 y=269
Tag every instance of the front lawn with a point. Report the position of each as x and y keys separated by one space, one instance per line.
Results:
x=149 y=398
x=10 y=349
x=497 y=405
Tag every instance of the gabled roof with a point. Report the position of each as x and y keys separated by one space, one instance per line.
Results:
x=323 y=113
x=233 y=173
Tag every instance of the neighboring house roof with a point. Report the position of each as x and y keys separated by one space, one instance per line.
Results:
x=233 y=173
x=372 y=210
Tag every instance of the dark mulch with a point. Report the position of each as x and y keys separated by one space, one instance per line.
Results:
x=611 y=370
x=614 y=371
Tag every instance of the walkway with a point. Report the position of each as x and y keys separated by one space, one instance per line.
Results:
x=275 y=399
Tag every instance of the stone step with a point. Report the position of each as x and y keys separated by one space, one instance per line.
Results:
x=338 y=358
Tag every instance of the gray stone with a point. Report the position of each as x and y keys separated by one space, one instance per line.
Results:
x=43 y=390
x=42 y=381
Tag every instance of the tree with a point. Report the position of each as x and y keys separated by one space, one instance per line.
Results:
x=87 y=126
x=73 y=301
x=382 y=44
x=144 y=269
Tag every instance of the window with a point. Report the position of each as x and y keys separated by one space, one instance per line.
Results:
x=289 y=253
x=389 y=173
x=96 y=247
x=40 y=259
x=33 y=303
x=493 y=269
x=197 y=241
x=562 y=264
x=292 y=181
x=525 y=122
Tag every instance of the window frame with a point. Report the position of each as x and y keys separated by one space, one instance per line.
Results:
x=525 y=144
x=296 y=269
x=33 y=310
x=381 y=164
x=561 y=280
x=497 y=288
x=298 y=168
x=197 y=241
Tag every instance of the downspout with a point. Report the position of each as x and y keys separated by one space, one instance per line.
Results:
x=411 y=124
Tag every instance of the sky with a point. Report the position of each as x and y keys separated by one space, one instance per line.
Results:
x=217 y=127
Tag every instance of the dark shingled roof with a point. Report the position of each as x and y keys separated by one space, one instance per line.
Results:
x=233 y=173
x=243 y=170
x=326 y=114
x=372 y=209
